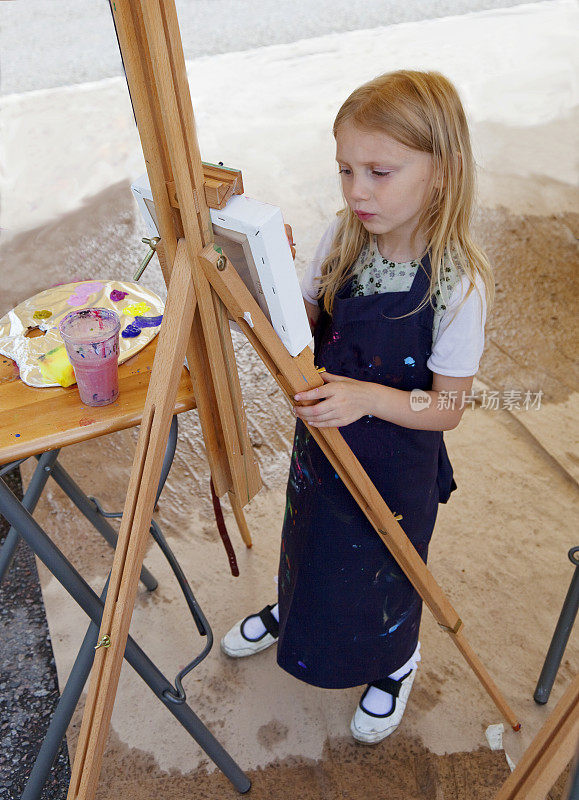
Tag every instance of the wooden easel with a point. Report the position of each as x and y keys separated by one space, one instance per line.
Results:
x=203 y=292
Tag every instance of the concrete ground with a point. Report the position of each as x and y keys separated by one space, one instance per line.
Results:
x=47 y=44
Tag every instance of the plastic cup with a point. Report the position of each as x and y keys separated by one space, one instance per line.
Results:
x=91 y=337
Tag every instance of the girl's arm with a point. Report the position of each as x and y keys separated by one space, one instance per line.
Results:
x=345 y=400
x=313 y=312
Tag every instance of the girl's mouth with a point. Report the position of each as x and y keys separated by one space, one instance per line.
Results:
x=363 y=215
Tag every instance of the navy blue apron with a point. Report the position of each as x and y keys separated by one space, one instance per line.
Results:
x=348 y=614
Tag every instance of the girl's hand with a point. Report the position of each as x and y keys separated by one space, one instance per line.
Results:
x=343 y=401
x=290 y=238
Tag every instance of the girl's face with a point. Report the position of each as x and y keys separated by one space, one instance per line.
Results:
x=387 y=185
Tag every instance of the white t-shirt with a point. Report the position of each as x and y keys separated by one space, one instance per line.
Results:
x=457 y=340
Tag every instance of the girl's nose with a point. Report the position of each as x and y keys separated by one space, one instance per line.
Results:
x=359 y=189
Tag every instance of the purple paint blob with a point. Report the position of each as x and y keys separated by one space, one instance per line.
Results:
x=139 y=323
x=148 y=322
x=117 y=295
x=302 y=665
x=131 y=331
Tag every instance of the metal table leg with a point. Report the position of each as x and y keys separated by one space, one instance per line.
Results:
x=82 y=593
x=31 y=497
x=90 y=509
x=561 y=635
x=169 y=455
x=48 y=465
x=63 y=714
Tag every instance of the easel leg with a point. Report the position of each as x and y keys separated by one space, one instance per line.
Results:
x=135 y=524
x=88 y=600
x=240 y=519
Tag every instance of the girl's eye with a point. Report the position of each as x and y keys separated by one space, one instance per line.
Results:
x=376 y=172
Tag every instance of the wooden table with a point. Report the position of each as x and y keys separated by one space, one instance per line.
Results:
x=35 y=420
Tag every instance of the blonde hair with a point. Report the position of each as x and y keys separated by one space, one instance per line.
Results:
x=422 y=111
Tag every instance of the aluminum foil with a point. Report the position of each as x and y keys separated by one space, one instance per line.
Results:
x=140 y=311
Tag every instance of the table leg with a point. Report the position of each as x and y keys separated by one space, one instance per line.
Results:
x=81 y=592
x=169 y=455
x=63 y=714
x=91 y=511
x=560 y=636
x=37 y=483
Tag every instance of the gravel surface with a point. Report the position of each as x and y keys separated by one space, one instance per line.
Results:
x=46 y=44
x=28 y=683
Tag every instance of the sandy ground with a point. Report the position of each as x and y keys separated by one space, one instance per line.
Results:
x=500 y=546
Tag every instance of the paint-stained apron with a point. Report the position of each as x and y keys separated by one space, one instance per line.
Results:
x=348 y=614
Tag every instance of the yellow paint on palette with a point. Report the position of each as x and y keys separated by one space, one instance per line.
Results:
x=136 y=310
x=56 y=368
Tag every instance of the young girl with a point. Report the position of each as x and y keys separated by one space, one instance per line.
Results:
x=396 y=295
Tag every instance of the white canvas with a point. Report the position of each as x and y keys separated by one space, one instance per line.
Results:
x=253 y=237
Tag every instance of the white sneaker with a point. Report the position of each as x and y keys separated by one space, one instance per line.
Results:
x=370 y=728
x=236 y=644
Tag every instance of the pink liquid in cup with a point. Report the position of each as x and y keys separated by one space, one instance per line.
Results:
x=91 y=337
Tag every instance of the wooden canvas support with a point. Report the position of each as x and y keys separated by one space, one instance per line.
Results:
x=140 y=27
x=177 y=116
x=549 y=753
x=203 y=290
x=219 y=183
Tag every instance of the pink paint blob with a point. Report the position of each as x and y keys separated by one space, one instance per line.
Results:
x=91 y=336
x=82 y=293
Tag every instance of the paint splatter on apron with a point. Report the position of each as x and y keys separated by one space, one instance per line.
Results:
x=348 y=614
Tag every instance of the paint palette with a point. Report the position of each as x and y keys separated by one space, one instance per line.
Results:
x=140 y=311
